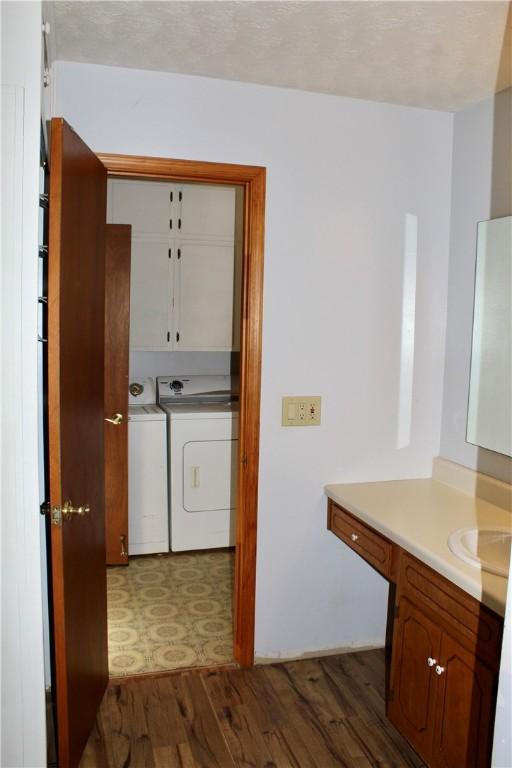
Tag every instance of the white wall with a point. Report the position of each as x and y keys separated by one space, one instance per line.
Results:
x=481 y=189
x=342 y=174
x=23 y=702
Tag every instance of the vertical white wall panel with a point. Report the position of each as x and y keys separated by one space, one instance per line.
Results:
x=23 y=695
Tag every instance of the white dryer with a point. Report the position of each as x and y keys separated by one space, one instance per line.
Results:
x=148 y=521
x=202 y=443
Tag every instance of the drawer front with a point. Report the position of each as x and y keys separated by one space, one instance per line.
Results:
x=369 y=544
x=471 y=623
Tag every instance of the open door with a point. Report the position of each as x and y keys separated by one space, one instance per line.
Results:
x=117 y=331
x=76 y=299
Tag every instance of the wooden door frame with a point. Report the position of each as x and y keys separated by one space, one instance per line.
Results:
x=252 y=179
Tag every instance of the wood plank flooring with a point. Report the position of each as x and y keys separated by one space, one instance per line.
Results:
x=315 y=713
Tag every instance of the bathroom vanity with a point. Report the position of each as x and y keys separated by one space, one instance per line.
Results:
x=445 y=616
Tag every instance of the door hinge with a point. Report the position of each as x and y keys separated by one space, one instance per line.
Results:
x=170 y=223
x=396 y=611
x=179 y=253
x=168 y=335
x=43 y=251
x=169 y=253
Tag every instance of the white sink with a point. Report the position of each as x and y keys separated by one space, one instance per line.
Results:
x=485 y=548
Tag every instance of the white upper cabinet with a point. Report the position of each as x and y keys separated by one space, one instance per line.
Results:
x=185 y=279
x=146 y=205
x=207 y=211
x=204 y=296
x=150 y=294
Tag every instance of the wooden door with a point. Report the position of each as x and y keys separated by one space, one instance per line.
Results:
x=117 y=330
x=413 y=679
x=466 y=690
x=76 y=273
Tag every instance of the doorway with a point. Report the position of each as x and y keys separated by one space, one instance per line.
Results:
x=251 y=180
x=173 y=274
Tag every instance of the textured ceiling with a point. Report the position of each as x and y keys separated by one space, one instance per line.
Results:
x=435 y=54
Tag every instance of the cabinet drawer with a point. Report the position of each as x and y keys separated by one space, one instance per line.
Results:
x=369 y=544
x=475 y=626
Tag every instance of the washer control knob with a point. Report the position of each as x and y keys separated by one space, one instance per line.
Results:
x=176 y=385
x=136 y=389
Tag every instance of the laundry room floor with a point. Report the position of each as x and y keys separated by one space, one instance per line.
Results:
x=170 y=611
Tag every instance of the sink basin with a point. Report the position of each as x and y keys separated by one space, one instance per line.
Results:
x=485 y=548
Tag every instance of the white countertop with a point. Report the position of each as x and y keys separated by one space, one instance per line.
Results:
x=419 y=515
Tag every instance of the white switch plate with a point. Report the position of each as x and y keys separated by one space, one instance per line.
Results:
x=301 y=411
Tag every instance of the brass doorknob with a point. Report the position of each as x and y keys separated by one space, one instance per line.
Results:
x=116 y=419
x=68 y=510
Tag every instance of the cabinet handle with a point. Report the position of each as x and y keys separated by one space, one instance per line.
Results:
x=439 y=670
x=431 y=661
x=354 y=536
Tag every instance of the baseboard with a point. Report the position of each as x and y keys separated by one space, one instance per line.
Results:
x=299 y=656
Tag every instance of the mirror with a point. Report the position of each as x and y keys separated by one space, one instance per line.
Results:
x=490 y=387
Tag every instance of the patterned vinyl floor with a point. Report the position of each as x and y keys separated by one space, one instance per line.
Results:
x=170 y=611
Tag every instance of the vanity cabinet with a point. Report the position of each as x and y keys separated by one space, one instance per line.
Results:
x=445 y=653
x=444 y=669
x=442 y=695
x=184 y=276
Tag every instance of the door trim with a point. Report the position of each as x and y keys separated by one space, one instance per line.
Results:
x=252 y=179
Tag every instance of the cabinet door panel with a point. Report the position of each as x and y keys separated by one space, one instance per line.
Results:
x=208 y=212
x=464 y=708
x=146 y=205
x=150 y=294
x=204 y=296
x=412 y=679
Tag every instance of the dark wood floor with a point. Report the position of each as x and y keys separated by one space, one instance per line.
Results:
x=315 y=713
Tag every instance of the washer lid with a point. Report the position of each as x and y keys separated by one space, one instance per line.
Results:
x=145 y=413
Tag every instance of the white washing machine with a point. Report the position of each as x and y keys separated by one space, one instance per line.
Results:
x=148 y=519
x=202 y=423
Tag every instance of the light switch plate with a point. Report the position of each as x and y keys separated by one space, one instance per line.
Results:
x=301 y=411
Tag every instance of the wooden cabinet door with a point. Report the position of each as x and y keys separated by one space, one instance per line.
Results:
x=207 y=211
x=151 y=294
x=464 y=709
x=413 y=680
x=204 y=296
